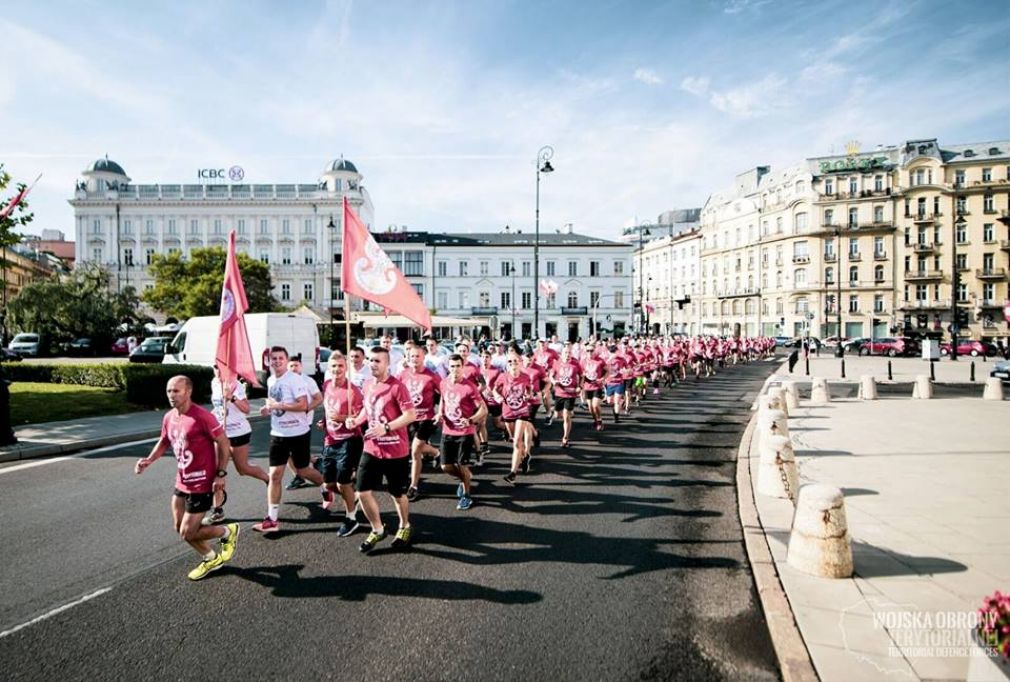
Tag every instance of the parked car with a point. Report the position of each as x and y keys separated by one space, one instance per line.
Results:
x=120 y=346
x=783 y=341
x=25 y=344
x=1001 y=370
x=7 y=355
x=890 y=346
x=854 y=345
x=814 y=342
x=151 y=350
x=832 y=341
x=81 y=346
x=969 y=347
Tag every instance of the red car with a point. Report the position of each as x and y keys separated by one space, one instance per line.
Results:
x=890 y=346
x=120 y=347
x=968 y=347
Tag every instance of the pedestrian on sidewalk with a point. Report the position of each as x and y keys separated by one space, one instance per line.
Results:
x=794 y=357
x=201 y=451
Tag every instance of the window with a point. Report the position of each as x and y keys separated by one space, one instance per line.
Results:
x=961 y=233
x=853 y=247
x=573 y=299
x=801 y=222
x=413 y=263
x=307 y=226
x=264 y=227
x=778 y=225
x=506 y=300
x=829 y=250
x=962 y=293
x=265 y=257
x=172 y=227
x=618 y=267
x=987 y=175
x=285 y=292
x=442 y=269
x=241 y=226
x=988 y=236
x=96 y=227
x=829 y=216
x=853 y=217
x=462 y=271
x=878 y=214
x=594 y=268
x=854 y=274
x=526 y=268
x=148 y=256
x=800 y=187
x=878 y=183
x=800 y=276
x=173 y=250
x=194 y=227
x=987 y=204
x=829 y=275
x=987 y=262
x=961 y=205
x=962 y=261
x=127 y=227
x=308 y=255
x=528 y=300
x=920 y=177
x=853 y=185
x=573 y=268
x=128 y=256
x=464 y=299
x=551 y=267
x=217 y=227
x=96 y=255
x=878 y=274
x=959 y=178
x=307 y=291
x=594 y=299
x=484 y=268
x=286 y=255
x=484 y=299
x=618 y=299
x=853 y=303
x=418 y=289
x=506 y=268
x=878 y=246
x=878 y=303
x=442 y=300
x=286 y=226
x=829 y=186
x=148 y=227
x=921 y=292
x=989 y=291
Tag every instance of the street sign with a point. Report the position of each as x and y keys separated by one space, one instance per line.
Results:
x=810 y=316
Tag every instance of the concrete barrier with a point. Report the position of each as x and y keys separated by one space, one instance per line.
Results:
x=867 y=387
x=792 y=394
x=819 y=394
x=777 y=400
x=819 y=543
x=923 y=388
x=777 y=475
x=993 y=389
x=772 y=423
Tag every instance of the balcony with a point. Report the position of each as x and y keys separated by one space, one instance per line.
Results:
x=855 y=257
x=923 y=217
x=740 y=293
x=879 y=255
x=991 y=273
x=830 y=257
x=801 y=260
x=1004 y=245
x=922 y=275
x=924 y=247
x=925 y=305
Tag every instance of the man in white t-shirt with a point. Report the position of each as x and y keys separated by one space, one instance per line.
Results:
x=395 y=355
x=360 y=371
x=290 y=437
x=315 y=400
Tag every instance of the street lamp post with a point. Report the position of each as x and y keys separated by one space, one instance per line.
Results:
x=544 y=157
x=839 y=349
x=955 y=284
x=643 y=232
x=333 y=259
x=512 y=271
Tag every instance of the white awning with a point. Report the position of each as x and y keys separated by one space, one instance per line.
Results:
x=379 y=321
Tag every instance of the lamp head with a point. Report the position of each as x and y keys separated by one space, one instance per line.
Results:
x=547 y=167
x=332 y=225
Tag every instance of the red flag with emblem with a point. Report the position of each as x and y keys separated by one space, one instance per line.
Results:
x=367 y=272
x=234 y=356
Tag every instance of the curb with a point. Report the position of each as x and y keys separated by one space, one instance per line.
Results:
x=790 y=650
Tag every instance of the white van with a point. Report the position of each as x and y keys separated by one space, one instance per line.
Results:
x=196 y=342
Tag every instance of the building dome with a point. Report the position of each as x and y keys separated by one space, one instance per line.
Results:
x=342 y=164
x=107 y=166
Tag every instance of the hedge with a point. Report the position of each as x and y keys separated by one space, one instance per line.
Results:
x=144 y=384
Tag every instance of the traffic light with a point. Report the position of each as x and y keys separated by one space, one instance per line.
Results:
x=874 y=322
x=962 y=318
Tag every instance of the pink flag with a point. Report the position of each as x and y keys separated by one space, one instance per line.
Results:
x=234 y=357
x=649 y=308
x=367 y=272
x=17 y=199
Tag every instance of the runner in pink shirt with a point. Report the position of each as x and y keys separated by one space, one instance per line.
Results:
x=514 y=390
x=489 y=374
x=388 y=410
x=201 y=455
x=341 y=446
x=422 y=384
x=615 y=383
x=460 y=410
x=594 y=372
x=566 y=377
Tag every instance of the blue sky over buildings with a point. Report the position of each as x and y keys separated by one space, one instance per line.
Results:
x=443 y=105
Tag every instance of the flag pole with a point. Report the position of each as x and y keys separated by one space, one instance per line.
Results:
x=347 y=359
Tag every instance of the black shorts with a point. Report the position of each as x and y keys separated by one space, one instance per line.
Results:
x=239 y=441
x=196 y=503
x=533 y=412
x=295 y=448
x=561 y=404
x=372 y=470
x=628 y=383
x=456 y=450
x=494 y=410
x=513 y=420
x=422 y=430
x=593 y=393
x=339 y=461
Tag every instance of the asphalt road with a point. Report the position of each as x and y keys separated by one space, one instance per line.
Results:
x=621 y=558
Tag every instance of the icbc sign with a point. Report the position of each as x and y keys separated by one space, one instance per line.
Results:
x=235 y=174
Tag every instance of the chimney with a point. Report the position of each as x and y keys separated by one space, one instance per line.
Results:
x=568 y=228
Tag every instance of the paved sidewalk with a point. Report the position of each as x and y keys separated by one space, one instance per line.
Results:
x=73 y=435
x=926 y=493
x=902 y=369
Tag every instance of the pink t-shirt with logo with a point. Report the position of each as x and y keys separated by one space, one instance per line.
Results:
x=592 y=373
x=335 y=404
x=515 y=393
x=537 y=379
x=384 y=402
x=615 y=369
x=191 y=437
x=423 y=389
x=460 y=401
x=490 y=375
x=567 y=377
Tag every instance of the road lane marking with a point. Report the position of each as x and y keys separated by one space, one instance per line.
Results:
x=53 y=612
x=85 y=453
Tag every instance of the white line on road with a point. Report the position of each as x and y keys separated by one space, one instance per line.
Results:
x=58 y=609
x=53 y=460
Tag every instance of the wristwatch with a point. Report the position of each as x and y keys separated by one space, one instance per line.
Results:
x=386 y=425
x=221 y=473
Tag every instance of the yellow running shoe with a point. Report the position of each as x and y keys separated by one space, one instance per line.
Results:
x=206 y=567
x=229 y=543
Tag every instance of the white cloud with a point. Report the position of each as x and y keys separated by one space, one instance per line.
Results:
x=738 y=6
x=753 y=99
x=696 y=85
x=647 y=76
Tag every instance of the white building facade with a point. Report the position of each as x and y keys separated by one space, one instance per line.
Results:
x=295 y=228
x=669 y=267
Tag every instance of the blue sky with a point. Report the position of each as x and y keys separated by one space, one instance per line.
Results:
x=443 y=105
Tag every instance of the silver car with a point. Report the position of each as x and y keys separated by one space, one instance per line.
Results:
x=25 y=344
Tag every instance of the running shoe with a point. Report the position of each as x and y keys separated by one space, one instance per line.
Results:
x=617 y=418
x=550 y=419
x=229 y=543
x=372 y=540
x=402 y=538
x=464 y=503
x=206 y=568
x=460 y=492
x=525 y=466
x=348 y=527
x=510 y=478
x=328 y=498
x=215 y=517
x=413 y=494
x=267 y=525
x=480 y=458
x=536 y=440
x=296 y=483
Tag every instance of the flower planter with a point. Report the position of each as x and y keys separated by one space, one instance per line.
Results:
x=982 y=668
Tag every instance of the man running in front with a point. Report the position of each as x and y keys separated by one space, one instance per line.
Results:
x=201 y=453
x=460 y=410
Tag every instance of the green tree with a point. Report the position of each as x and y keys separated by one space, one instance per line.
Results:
x=78 y=304
x=192 y=287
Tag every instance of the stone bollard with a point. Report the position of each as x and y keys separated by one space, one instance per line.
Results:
x=923 y=389
x=819 y=543
x=867 y=387
x=792 y=394
x=772 y=422
x=777 y=400
x=777 y=475
x=819 y=394
x=763 y=402
x=993 y=389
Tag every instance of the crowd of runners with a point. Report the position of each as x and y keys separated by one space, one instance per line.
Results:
x=382 y=413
